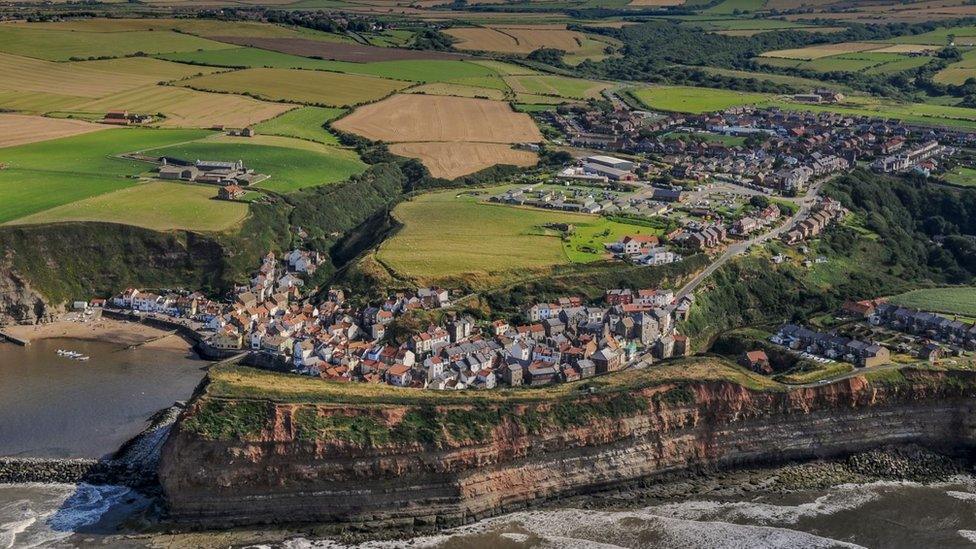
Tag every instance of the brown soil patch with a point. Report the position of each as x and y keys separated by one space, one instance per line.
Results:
x=335 y=51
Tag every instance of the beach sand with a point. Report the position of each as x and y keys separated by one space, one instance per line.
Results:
x=103 y=329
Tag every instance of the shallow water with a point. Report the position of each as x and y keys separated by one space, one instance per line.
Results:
x=52 y=406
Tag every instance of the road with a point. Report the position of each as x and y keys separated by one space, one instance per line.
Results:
x=806 y=202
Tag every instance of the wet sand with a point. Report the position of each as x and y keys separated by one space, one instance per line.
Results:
x=117 y=332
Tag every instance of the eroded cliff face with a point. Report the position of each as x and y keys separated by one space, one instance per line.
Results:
x=371 y=470
x=19 y=302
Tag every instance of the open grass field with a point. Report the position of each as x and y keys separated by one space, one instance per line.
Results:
x=62 y=45
x=19 y=129
x=157 y=205
x=965 y=35
x=431 y=70
x=561 y=86
x=482 y=239
x=960 y=71
x=336 y=51
x=452 y=160
x=958 y=300
x=51 y=173
x=412 y=117
x=695 y=100
x=199 y=27
x=777 y=78
x=149 y=67
x=292 y=163
x=303 y=123
x=309 y=87
x=458 y=90
x=185 y=107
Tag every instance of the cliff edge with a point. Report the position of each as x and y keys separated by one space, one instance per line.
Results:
x=370 y=456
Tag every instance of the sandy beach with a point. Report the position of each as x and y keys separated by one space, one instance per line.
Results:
x=103 y=329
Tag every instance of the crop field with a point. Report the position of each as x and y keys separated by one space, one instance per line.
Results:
x=482 y=239
x=412 y=117
x=303 y=123
x=433 y=70
x=505 y=69
x=452 y=160
x=561 y=86
x=188 y=108
x=310 y=87
x=62 y=45
x=199 y=27
x=958 y=300
x=149 y=67
x=695 y=100
x=19 y=129
x=336 y=51
x=524 y=39
x=47 y=174
x=292 y=163
x=156 y=205
x=824 y=50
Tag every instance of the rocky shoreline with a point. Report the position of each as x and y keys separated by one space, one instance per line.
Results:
x=134 y=464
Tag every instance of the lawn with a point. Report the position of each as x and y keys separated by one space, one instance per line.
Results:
x=959 y=300
x=304 y=123
x=311 y=87
x=482 y=238
x=47 y=174
x=961 y=175
x=156 y=205
x=62 y=45
x=586 y=243
x=695 y=100
x=292 y=163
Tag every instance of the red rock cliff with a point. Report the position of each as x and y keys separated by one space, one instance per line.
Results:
x=374 y=471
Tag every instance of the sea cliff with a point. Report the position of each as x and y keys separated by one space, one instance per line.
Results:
x=235 y=459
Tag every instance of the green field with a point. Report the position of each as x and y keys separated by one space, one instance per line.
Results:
x=961 y=175
x=304 y=123
x=310 y=87
x=729 y=6
x=411 y=70
x=940 y=37
x=695 y=100
x=47 y=174
x=483 y=238
x=156 y=205
x=292 y=164
x=61 y=45
x=586 y=243
x=957 y=73
x=959 y=300
x=561 y=86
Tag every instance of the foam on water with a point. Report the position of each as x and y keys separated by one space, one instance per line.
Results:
x=968 y=534
x=965 y=496
x=38 y=515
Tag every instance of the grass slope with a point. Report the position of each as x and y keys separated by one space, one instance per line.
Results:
x=304 y=123
x=62 y=45
x=960 y=301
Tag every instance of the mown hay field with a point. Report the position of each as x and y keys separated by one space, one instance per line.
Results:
x=525 y=39
x=292 y=163
x=47 y=174
x=62 y=45
x=458 y=90
x=957 y=73
x=452 y=160
x=824 y=50
x=561 y=86
x=412 y=117
x=19 y=129
x=446 y=235
x=309 y=87
x=187 y=108
x=157 y=205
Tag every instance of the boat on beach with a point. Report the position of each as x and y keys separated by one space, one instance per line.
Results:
x=75 y=355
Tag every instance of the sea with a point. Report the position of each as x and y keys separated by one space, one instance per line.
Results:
x=55 y=407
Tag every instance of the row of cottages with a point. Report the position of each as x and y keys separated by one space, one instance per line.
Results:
x=171 y=304
x=649 y=298
x=707 y=238
x=850 y=350
x=825 y=213
x=929 y=325
x=542 y=311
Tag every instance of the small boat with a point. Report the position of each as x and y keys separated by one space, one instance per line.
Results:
x=82 y=358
